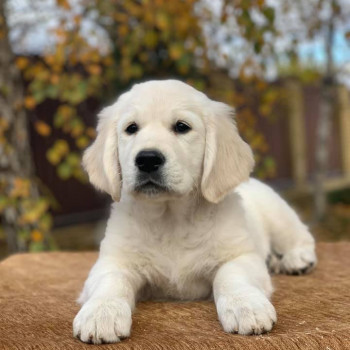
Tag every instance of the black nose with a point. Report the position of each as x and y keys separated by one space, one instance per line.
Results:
x=149 y=161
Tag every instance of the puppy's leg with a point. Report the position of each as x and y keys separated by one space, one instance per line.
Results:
x=241 y=291
x=108 y=300
x=292 y=249
x=292 y=245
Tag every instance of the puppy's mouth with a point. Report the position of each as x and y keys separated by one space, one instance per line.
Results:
x=151 y=187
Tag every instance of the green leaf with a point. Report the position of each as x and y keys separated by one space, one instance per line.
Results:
x=3 y=203
x=53 y=156
x=269 y=13
x=45 y=222
x=73 y=159
x=39 y=95
x=136 y=70
x=64 y=171
x=150 y=39
x=52 y=91
x=24 y=234
x=36 y=246
x=58 y=120
x=257 y=47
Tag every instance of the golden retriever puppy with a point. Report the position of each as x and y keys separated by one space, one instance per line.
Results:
x=187 y=222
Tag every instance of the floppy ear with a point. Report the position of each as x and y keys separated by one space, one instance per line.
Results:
x=228 y=160
x=100 y=160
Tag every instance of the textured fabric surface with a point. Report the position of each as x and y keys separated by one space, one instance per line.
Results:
x=38 y=292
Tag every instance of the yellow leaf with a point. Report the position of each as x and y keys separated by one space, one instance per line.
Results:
x=42 y=128
x=77 y=19
x=162 y=20
x=265 y=109
x=22 y=62
x=54 y=79
x=36 y=236
x=150 y=39
x=121 y=17
x=60 y=32
x=175 y=51
x=82 y=142
x=49 y=59
x=94 y=69
x=21 y=188
x=66 y=111
x=4 y=124
x=63 y=3
x=91 y=132
x=108 y=61
x=123 y=30
x=53 y=156
x=62 y=147
x=33 y=211
x=77 y=130
x=29 y=102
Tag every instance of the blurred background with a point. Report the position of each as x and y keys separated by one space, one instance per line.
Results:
x=283 y=64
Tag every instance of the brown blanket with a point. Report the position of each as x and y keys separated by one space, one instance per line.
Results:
x=38 y=292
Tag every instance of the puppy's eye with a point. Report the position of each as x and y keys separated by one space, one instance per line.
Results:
x=181 y=128
x=132 y=129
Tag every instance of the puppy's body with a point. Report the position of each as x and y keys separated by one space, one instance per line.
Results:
x=172 y=240
x=176 y=249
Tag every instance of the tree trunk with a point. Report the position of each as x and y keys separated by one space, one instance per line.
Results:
x=15 y=155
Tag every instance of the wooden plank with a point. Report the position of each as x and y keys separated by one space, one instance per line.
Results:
x=344 y=125
x=297 y=133
x=330 y=184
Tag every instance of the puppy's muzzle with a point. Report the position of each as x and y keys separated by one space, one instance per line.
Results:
x=149 y=161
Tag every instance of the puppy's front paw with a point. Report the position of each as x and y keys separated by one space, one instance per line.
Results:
x=103 y=321
x=246 y=313
x=299 y=260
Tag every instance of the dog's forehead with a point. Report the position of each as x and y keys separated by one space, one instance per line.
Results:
x=171 y=93
x=162 y=101
x=165 y=86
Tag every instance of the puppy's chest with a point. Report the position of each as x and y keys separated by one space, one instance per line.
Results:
x=179 y=261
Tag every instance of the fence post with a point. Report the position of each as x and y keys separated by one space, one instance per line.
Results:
x=344 y=125
x=297 y=133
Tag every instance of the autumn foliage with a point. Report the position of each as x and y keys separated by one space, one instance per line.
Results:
x=147 y=39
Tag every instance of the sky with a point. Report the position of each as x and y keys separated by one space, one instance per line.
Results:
x=315 y=49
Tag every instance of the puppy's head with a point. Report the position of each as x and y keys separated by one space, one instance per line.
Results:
x=164 y=139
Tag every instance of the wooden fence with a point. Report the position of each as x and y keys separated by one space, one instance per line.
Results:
x=304 y=111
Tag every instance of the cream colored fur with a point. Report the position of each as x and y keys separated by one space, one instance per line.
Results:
x=209 y=235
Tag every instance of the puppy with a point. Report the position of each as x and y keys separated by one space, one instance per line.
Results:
x=187 y=222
